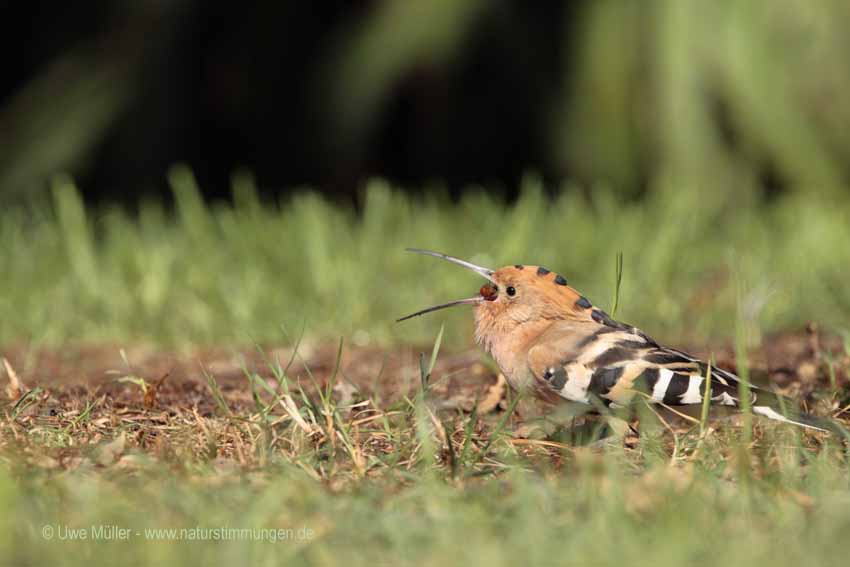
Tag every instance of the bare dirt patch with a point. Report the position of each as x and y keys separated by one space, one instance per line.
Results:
x=75 y=401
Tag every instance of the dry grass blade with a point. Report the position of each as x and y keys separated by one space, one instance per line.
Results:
x=291 y=410
x=542 y=443
x=494 y=394
x=152 y=390
x=15 y=388
x=650 y=402
x=438 y=427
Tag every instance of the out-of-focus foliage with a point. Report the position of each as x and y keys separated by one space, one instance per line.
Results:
x=236 y=274
x=716 y=93
x=599 y=508
x=721 y=97
x=56 y=121
x=378 y=50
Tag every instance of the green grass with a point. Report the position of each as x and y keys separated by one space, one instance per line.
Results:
x=472 y=497
x=410 y=484
x=592 y=513
x=238 y=273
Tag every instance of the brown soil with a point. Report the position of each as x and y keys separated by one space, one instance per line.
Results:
x=796 y=363
x=178 y=391
x=78 y=372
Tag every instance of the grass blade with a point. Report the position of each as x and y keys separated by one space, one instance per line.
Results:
x=617 y=282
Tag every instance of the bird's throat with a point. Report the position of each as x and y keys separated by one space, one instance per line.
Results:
x=508 y=344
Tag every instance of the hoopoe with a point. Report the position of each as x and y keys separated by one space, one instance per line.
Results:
x=551 y=341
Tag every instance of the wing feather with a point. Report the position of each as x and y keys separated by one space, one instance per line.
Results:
x=614 y=363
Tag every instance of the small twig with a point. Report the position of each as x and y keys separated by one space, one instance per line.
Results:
x=669 y=427
x=541 y=442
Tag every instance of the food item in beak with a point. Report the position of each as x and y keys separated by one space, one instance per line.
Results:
x=489 y=292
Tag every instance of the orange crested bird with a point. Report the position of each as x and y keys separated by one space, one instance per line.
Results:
x=550 y=340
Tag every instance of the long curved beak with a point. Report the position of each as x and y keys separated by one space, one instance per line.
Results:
x=485 y=272
x=470 y=301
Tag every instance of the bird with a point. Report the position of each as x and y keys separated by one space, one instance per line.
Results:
x=553 y=342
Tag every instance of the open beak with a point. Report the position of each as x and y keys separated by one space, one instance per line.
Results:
x=485 y=272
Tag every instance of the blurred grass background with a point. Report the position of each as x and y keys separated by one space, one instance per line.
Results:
x=707 y=141
x=248 y=271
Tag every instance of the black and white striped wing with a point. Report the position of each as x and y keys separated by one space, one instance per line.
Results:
x=615 y=364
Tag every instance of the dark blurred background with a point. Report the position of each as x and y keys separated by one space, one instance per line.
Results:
x=732 y=96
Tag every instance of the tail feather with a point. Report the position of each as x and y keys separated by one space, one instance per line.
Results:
x=779 y=408
x=801 y=419
x=681 y=388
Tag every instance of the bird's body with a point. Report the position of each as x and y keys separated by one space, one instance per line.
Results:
x=577 y=352
x=550 y=340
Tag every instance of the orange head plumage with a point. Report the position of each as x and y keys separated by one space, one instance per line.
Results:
x=516 y=299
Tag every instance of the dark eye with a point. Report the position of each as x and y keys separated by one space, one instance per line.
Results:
x=511 y=291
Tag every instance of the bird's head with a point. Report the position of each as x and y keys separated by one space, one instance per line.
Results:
x=514 y=297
